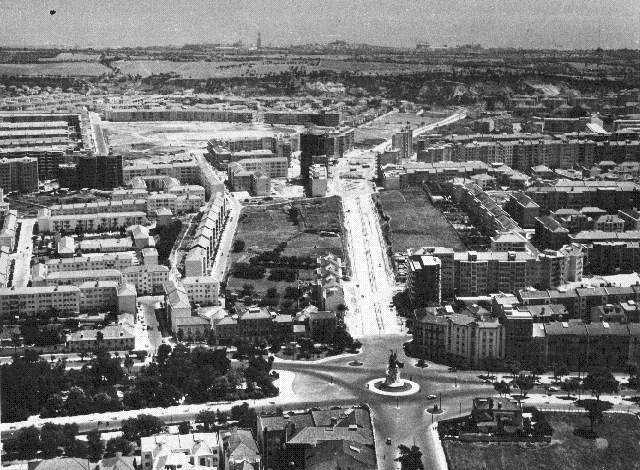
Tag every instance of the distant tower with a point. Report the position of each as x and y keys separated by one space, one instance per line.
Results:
x=259 y=42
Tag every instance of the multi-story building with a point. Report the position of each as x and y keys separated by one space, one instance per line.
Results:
x=549 y=233
x=8 y=230
x=429 y=329
x=522 y=209
x=424 y=280
x=471 y=273
x=181 y=451
x=33 y=301
x=317 y=186
x=609 y=223
x=203 y=290
x=147 y=279
x=74 y=278
x=468 y=341
x=48 y=223
x=113 y=338
x=403 y=141
x=19 y=174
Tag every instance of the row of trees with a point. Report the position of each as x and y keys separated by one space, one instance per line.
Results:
x=54 y=440
x=33 y=386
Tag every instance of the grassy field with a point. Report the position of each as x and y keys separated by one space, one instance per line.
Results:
x=415 y=222
x=616 y=449
x=275 y=65
x=264 y=228
x=383 y=128
x=66 y=69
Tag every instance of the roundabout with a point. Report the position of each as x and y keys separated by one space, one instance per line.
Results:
x=392 y=384
x=402 y=388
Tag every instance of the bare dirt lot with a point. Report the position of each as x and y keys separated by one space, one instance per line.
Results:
x=173 y=136
x=414 y=222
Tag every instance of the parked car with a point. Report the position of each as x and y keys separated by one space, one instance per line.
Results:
x=431 y=397
x=388 y=441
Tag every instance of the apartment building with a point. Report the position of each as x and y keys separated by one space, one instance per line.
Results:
x=48 y=223
x=32 y=301
x=147 y=279
x=113 y=338
x=19 y=174
x=74 y=278
x=8 y=230
x=203 y=290
x=424 y=280
x=181 y=451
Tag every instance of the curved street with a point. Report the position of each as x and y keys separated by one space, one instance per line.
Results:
x=402 y=419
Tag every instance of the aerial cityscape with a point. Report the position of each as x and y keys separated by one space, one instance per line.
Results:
x=330 y=245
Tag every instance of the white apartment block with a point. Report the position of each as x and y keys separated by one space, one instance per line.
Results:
x=33 y=301
x=186 y=171
x=147 y=279
x=75 y=278
x=48 y=223
x=94 y=261
x=203 y=290
x=181 y=451
x=98 y=296
x=8 y=230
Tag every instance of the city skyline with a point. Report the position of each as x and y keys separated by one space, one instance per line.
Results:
x=508 y=23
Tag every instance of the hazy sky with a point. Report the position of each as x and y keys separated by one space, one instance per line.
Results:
x=520 y=23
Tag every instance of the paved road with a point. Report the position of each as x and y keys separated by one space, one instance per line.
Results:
x=371 y=273
x=220 y=264
x=23 y=253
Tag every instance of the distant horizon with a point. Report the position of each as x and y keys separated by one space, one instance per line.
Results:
x=251 y=46
x=518 y=24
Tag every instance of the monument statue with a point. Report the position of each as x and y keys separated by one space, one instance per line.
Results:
x=393 y=370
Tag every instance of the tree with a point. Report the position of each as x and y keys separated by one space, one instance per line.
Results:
x=410 y=458
x=570 y=385
x=142 y=426
x=24 y=444
x=99 y=337
x=207 y=418
x=600 y=381
x=502 y=387
x=77 y=402
x=184 y=427
x=559 y=369
x=513 y=367
x=180 y=335
x=51 y=438
x=238 y=245
x=128 y=363
x=118 y=444
x=490 y=364
x=96 y=446
x=524 y=383
x=594 y=412
x=164 y=350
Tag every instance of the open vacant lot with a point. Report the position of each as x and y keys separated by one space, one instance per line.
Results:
x=616 y=449
x=163 y=136
x=290 y=226
x=259 y=68
x=414 y=222
x=65 y=69
x=383 y=128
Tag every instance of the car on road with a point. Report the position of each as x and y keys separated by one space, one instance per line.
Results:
x=453 y=369
x=552 y=389
x=388 y=441
x=431 y=397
